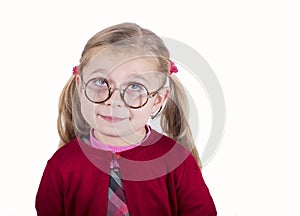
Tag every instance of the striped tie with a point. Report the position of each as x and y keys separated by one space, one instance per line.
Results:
x=116 y=196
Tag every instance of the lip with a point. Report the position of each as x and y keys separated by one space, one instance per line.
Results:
x=111 y=118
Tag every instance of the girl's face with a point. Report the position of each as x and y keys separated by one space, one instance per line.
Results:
x=113 y=121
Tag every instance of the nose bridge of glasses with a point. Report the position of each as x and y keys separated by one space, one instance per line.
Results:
x=115 y=98
x=119 y=89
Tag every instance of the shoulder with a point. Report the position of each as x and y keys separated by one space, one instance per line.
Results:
x=157 y=145
x=160 y=141
x=178 y=154
x=66 y=154
x=172 y=152
x=168 y=143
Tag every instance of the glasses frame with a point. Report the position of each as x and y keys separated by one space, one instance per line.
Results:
x=121 y=90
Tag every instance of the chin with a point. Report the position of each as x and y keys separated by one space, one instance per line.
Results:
x=115 y=130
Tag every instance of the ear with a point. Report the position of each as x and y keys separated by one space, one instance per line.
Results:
x=78 y=85
x=160 y=98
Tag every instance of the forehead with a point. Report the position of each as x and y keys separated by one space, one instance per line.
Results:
x=121 y=62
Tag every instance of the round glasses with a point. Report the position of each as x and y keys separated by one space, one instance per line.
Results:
x=134 y=95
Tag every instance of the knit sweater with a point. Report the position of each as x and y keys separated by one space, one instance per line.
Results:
x=160 y=177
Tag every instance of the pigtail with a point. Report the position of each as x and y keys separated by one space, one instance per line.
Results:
x=64 y=121
x=70 y=122
x=175 y=115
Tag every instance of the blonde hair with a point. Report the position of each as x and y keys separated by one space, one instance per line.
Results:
x=174 y=116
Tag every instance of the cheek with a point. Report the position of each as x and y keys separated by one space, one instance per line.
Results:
x=88 y=112
x=142 y=115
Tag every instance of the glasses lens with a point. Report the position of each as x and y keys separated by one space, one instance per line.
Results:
x=97 y=90
x=135 y=95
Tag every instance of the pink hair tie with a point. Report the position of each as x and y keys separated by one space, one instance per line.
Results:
x=75 y=70
x=173 y=68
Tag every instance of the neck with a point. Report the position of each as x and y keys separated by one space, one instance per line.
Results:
x=121 y=141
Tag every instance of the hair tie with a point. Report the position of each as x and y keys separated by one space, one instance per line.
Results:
x=75 y=70
x=173 y=68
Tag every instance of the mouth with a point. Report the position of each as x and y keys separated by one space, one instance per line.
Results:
x=111 y=119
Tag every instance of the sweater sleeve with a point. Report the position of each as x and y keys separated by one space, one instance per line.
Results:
x=49 y=198
x=193 y=196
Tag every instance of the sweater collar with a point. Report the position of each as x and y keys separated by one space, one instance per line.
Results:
x=152 y=138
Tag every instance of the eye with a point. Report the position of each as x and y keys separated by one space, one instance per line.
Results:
x=135 y=87
x=100 y=82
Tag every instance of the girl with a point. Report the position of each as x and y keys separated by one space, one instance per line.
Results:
x=110 y=161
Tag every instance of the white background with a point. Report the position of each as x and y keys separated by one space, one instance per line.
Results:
x=253 y=47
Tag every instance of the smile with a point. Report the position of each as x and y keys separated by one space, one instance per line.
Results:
x=111 y=118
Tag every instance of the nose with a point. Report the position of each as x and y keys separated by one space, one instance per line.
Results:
x=115 y=98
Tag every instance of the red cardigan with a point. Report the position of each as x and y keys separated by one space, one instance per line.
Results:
x=160 y=177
